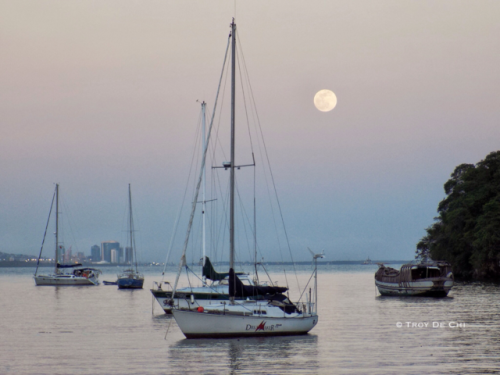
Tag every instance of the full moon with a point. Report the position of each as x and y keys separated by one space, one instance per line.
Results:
x=325 y=100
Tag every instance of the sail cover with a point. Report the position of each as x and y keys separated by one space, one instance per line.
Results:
x=68 y=265
x=239 y=290
x=210 y=273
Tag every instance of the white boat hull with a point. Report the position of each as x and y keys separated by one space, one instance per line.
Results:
x=415 y=288
x=209 y=325
x=64 y=280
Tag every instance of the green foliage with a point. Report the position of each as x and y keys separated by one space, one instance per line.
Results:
x=467 y=231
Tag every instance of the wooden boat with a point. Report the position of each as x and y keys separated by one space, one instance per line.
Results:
x=423 y=278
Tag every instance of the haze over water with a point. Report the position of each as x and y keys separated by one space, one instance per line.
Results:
x=103 y=330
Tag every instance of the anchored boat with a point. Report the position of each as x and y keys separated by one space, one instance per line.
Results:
x=131 y=278
x=64 y=274
x=251 y=310
x=420 y=278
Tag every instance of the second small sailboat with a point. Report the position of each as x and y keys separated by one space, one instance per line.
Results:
x=131 y=278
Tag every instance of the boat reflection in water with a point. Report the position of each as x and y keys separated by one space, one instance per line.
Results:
x=297 y=354
x=419 y=278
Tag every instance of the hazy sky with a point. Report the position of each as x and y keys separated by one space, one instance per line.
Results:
x=98 y=94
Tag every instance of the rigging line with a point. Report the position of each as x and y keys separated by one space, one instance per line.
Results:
x=260 y=150
x=45 y=233
x=265 y=270
x=305 y=288
x=240 y=51
x=69 y=222
x=223 y=218
x=196 y=241
x=196 y=148
x=272 y=176
x=217 y=138
x=244 y=215
x=187 y=275
x=193 y=208
x=206 y=285
x=179 y=214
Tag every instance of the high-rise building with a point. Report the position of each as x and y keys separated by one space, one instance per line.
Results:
x=67 y=255
x=106 y=248
x=129 y=255
x=95 y=253
x=114 y=253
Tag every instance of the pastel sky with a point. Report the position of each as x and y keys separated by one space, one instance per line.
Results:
x=98 y=94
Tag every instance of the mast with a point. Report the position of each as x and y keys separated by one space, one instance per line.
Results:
x=203 y=200
x=231 y=183
x=131 y=225
x=57 y=229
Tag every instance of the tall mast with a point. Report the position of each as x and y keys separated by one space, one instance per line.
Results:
x=131 y=224
x=203 y=200
x=57 y=229
x=231 y=196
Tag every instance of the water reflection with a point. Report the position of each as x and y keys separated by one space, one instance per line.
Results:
x=289 y=354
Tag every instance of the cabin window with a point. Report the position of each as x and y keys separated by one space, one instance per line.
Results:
x=422 y=273
x=418 y=273
x=434 y=272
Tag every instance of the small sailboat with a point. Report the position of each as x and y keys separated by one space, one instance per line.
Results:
x=368 y=261
x=64 y=274
x=250 y=310
x=131 y=278
x=419 y=278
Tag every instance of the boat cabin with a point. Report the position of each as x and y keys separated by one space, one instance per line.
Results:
x=422 y=272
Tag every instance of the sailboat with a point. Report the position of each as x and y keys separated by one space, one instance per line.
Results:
x=64 y=274
x=252 y=310
x=215 y=286
x=131 y=278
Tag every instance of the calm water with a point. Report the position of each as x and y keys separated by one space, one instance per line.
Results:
x=103 y=330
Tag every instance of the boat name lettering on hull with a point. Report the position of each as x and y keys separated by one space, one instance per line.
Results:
x=262 y=327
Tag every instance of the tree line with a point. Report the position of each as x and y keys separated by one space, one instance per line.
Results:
x=466 y=231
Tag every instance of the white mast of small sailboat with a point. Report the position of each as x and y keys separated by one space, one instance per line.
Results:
x=203 y=199
x=231 y=191
x=56 y=270
x=131 y=227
